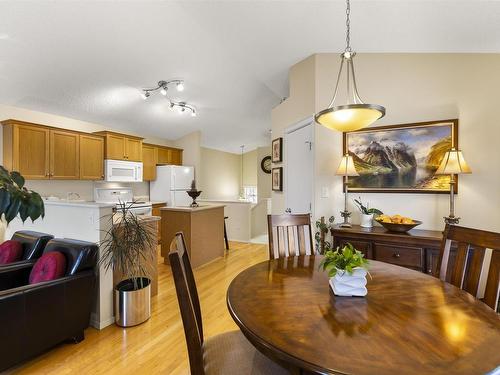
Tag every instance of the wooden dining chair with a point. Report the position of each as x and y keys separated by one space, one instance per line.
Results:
x=226 y=353
x=471 y=249
x=289 y=235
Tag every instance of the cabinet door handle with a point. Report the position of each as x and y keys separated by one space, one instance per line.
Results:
x=396 y=255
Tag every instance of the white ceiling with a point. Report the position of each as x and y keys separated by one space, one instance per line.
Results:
x=88 y=60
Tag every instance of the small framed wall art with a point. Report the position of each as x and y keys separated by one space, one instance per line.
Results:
x=277 y=179
x=277 y=150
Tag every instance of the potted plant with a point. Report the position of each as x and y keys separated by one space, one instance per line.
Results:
x=366 y=213
x=322 y=229
x=127 y=248
x=16 y=199
x=347 y=269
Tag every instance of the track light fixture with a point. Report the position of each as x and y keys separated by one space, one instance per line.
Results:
x=163 y=87
x=182 y=107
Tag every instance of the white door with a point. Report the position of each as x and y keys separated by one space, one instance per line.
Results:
x=299 y=170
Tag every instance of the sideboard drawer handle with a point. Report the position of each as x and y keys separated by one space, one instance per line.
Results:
x=396 y=255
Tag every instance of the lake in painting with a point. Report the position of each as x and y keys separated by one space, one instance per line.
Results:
x=400 y=158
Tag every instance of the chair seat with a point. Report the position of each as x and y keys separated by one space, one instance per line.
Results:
x=232 y=353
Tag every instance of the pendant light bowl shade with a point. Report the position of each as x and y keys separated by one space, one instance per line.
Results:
x=350 y=117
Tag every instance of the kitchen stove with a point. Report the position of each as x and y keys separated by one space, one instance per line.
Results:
x=123 y=197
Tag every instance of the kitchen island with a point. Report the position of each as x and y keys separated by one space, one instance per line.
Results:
x=203 y=229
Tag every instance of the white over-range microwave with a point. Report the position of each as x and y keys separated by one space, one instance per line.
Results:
x=122 y=171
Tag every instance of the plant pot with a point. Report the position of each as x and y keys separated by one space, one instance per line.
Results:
x=366 y=220
x=132 y=307
x=345 y=284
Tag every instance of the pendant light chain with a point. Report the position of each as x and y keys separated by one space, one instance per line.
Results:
x=354 y=114
x=348 y=27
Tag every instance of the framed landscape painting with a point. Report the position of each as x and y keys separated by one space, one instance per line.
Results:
x=401 y=158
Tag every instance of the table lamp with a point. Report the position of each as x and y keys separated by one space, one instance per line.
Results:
x=346 y=169
x=453 y=163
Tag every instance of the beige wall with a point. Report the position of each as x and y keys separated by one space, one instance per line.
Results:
x=413 y=88
x=191 y=144
x=219 y=174
x=299 y=105
x=250 y=168
x=263 y=179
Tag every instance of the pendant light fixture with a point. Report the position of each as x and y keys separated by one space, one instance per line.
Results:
x=355 y=114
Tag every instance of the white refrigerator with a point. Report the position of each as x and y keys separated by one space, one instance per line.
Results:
x=171 y=184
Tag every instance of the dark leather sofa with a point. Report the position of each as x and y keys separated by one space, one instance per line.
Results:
x=32 y=243
x=34 y=318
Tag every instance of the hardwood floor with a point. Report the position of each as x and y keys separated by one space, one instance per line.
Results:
x=157 y=346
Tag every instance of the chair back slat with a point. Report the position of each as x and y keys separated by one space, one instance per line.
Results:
x=492 y=291
x=189 y=303
x=468 y=269
x=474 y=268
x=457 y=277
x=289 y=235
x=292 y=249
x=282 y=244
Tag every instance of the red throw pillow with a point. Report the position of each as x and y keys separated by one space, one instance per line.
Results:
x=49 y=266
x=10 y=251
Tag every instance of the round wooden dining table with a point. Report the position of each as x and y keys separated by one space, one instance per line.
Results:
x=408 y=323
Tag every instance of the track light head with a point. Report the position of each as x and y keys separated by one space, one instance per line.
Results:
x=145 y=94
x=180 y=86
x=163 y=90
x=193 y=113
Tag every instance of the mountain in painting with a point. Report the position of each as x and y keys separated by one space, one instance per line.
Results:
x=379 y=159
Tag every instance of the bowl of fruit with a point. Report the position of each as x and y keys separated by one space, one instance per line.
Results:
x=397 y=223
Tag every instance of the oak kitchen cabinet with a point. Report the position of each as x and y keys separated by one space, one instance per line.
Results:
x=91 y=157
x=154 y=154
x=149 y=161
x=64 y=155
x=119 y=146
x=40 y=152
x=169 y=155
x=26 y=149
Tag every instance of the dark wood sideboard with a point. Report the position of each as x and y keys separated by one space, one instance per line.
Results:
x=417 y=249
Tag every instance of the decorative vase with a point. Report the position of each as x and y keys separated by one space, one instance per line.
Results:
x=366 y=220
x=132 y=306
x=345 y=284
x=194 y=194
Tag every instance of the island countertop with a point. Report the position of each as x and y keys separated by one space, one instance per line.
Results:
x=191 y=209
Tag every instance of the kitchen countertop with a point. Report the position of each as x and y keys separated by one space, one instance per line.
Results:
x=146 y=219
x=224 y=201
x=192 y=209
x=158 y=202
x=77 y=203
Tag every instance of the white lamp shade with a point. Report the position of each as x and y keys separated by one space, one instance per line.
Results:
x=346 y=167
x=453 y=163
